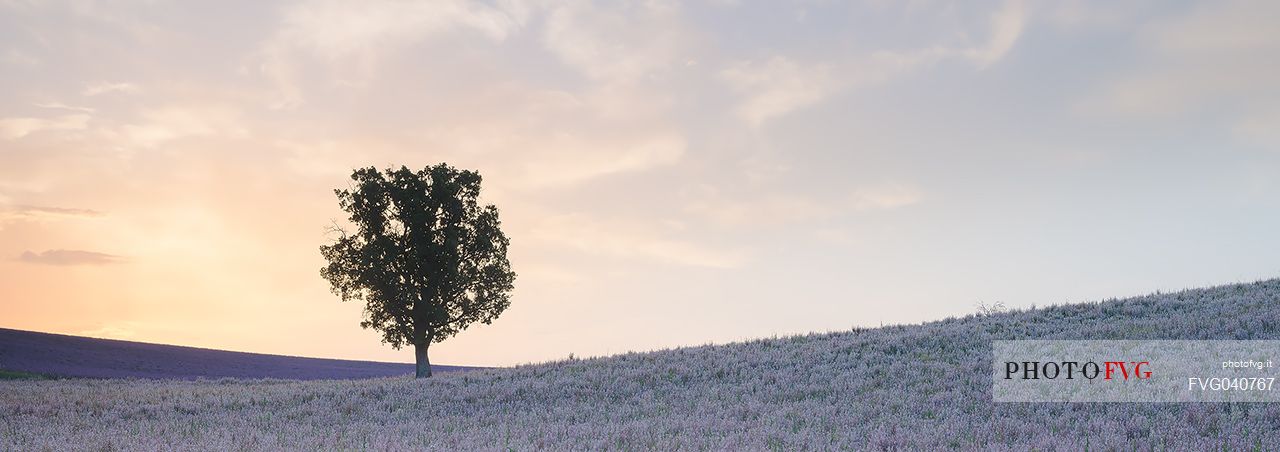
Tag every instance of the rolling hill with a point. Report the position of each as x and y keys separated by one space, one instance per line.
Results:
x=916 y=387
x=73 y=356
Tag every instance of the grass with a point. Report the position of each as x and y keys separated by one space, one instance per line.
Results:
x=17 y=375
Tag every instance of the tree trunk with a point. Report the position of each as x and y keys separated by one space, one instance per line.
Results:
x=424 y=364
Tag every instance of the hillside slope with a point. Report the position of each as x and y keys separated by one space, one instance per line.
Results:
x=921 y=387
x=75 y=356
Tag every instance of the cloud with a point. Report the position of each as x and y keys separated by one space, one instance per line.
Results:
x=21 y=213
x=630 y=240
x=1094 y=14
x=561 y=139
x=1216 y=54
x=1006 y=27
x=617 y=45
x=336 y=29
x=570 y=161
x=69 y=257
x=778 y=86
x=62 y=106
x=97 y=88
x=776 y=209
x=1227 y=26
x=33 y=212
x=352 y=36
x=160 y=125
x=551 y=158
x=14 y=128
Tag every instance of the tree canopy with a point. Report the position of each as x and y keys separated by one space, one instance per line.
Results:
x=426 y=257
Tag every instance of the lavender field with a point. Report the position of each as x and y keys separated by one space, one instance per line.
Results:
x=919 y=387
x=73 y=356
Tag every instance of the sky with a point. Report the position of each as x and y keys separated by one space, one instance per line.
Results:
x=669 y=173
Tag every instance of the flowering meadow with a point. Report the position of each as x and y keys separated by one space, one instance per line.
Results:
x=86 y=357
x=918 y=387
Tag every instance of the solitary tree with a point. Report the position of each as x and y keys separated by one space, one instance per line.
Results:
x=426 y=258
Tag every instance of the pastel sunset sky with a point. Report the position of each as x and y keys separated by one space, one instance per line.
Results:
x=669 y=173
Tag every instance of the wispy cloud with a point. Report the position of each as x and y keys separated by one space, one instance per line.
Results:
x=780 y=209
x=615 y=42
x=352 y=36
x=630 y=240
x=551 y=155
x=336 y=29
x=1006 y=26
x=160 y=125
x=14 y=128
x=578 y=162
x=1207 y=56
x=97 y=88
x=69 y=257
x=62 y=106
x=23 y=213
x=778 y=85
x=26 y=211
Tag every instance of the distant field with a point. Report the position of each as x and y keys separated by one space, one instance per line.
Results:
x=74 y=356
x=15 y=375
x=921 y=387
